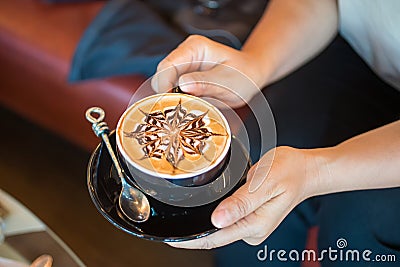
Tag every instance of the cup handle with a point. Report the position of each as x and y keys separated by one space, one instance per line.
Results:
x=177 y=89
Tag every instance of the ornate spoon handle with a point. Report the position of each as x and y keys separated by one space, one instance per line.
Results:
x=100 y=128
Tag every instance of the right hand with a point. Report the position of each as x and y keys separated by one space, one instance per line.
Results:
x=199 y=65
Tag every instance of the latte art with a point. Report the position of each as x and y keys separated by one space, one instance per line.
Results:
x=172 y=133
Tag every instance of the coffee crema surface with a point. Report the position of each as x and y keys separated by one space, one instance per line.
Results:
x=173 y=134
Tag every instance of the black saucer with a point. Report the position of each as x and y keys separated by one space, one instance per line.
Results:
x=167 y=222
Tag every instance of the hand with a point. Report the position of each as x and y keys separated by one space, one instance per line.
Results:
x=276 y=184
x=206 y=68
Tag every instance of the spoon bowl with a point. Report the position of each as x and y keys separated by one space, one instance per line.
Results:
x=133 y=203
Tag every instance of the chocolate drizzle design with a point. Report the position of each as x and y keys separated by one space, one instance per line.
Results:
x=172 y=133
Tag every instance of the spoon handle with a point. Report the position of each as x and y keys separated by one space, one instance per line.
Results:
x=95 y=115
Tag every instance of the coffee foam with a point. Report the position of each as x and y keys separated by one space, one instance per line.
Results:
x=173 y=135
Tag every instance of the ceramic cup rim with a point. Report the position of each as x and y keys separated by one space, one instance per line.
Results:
x=133 y=164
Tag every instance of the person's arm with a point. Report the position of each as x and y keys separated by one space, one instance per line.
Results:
x=368 y=161
x=289 y=33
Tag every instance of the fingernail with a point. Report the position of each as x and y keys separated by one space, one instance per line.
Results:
x=185 y=83
x=154 y=84
x=221 y=218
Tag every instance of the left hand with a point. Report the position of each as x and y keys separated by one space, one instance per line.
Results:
x=276 y=184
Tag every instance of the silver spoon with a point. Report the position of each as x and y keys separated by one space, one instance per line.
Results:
x=132 y=202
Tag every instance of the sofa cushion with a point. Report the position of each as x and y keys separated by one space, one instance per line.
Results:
x=37 y=42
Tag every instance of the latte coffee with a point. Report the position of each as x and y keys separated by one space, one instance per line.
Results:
x=173 y=136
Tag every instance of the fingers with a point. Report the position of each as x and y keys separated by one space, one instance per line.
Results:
x=191 y=55
x=242 y=203
x=243 y=228
x=209 y=82
x=220 y=238
x=271 y=214
x=202 y=67
x=170 y=69
x=199 y=83
x=221 y=82
x=253 y=229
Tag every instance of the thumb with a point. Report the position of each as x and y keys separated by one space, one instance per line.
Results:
x=199 y=83
x=221 y=82
x=242 y=203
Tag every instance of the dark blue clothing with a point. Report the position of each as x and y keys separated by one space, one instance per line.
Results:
x=133 y=36
x=126 y=37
